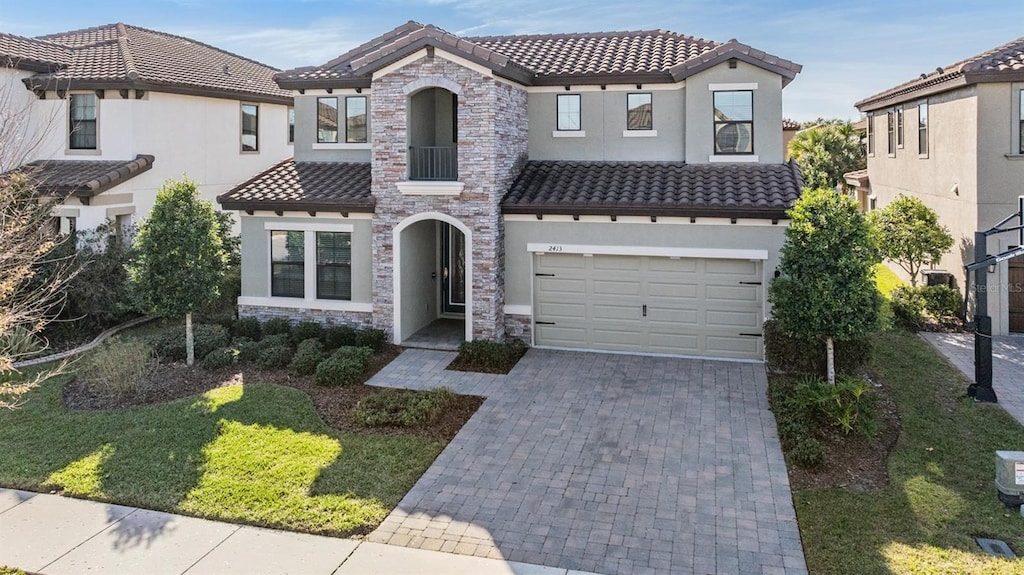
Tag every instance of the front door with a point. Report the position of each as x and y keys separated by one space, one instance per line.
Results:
x=1016 y=293
x=453 y=270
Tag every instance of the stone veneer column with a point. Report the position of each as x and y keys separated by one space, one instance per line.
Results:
x=492 y=147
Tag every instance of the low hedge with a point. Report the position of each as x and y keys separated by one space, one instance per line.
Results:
x=344 y=367
x=170 y=343
x=308 y=355
x=786 y=354
x=402 y=408
x=489 y=356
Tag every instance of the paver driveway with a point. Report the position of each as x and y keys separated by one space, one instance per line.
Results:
x=607 y=463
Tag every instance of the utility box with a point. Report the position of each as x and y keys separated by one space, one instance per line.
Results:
x=1010 y=477
x=938 y=278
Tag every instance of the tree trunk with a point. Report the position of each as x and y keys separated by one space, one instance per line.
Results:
x=830 y=356
x=190 y=347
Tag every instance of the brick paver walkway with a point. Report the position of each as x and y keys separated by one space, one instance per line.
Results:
x=607 y=463
x=1007 y=365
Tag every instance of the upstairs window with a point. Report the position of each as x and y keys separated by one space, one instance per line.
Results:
x=355 y=119
x=890 y=123
x=250 y=127
x=334 y=265
x=82 y=125
x=899 y=127
x=734 y=122
x=639 y=112
x=287 y=264
x=291 y=125
x=569 y=119
x=922 y=129
x=327 y=120
x=871 y=134
x=1020 y=121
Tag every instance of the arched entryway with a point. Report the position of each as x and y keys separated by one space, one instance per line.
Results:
x=433 y=275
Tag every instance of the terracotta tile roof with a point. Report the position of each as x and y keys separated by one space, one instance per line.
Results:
x=32 y=54
x=606 y=57
x=1003 y=63
x=123 y=56
x=83 y=178
x=306 y=186
x=788 y=124
x=655 y=188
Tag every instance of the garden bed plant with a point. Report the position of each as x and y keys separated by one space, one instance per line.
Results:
x=484 y=356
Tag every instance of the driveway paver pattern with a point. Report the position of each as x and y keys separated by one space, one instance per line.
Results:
x=615 y=464
x=1007 y=365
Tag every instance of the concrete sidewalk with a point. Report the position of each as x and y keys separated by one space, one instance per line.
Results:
x=56 y=535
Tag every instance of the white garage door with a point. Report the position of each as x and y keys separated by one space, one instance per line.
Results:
x=647 y=304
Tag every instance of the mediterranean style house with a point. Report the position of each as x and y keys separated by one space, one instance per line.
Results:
x=103 y=116
x=620 y=191
x=954 y=138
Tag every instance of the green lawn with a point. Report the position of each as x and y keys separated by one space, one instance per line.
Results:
x=941 y=493
x=886 y=280
x=256 y=454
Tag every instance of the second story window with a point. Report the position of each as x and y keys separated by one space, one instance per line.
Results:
x=639 y=110
x=734 y=122
x=250 y=127
x=327 y=120
x=355 y=119
x=1020 y=120
x=870 y=123
x=291 y=125
x=82 y=125
x=922 y=129
x=890 y=123
x=569 y=118
x=899 y=127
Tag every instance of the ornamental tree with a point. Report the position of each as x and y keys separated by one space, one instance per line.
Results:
x=826 y=151
x=825 y=289
x=909 y=234
x=180 y=256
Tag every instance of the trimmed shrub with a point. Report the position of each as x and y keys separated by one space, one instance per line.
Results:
x=246 y=349
x=277 y=339
x=277 y=325
x=170 y=344
x=247 y=327
x=785 y=354
x=118 y=368
x=489 y=356
x=373 y=338
x=808 y=453
x=274 y=356
x=402 y=408
x=344 y=367
x=908 y=307
x=337 y=336
x=942 y=303
x=218 y=359
x=308 y=355
x=307 y=330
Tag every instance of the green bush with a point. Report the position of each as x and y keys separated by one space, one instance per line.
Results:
x=490 y=355
x=246 y=349
x=274 y=356
x=908 y=307
x=275 y=340
x=10 y=571
x=344 y=367
x=170 y=344
x=942 y=303
x=219 y=358
x=307 y=330
x=337 y=336
x=308 y=355
x=119 y=368
x=402 y=408
x=785 y=354
x=20 y=342
x=247 y=327
x=373 y=338
x=277 y=325
x=808 y=453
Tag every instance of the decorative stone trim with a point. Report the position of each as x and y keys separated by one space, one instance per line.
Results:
x=354 y=319
x=431 y=82
x=519 y=327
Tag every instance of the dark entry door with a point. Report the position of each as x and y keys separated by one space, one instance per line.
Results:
x=453 y=270
x=1016 y=291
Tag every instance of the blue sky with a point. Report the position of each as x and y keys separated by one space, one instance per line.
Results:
x=849 y=50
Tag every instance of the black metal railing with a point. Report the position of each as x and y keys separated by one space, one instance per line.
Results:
x=433 y=163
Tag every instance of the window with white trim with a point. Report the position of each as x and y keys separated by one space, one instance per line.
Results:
x=82 y=121
x=639 y=111
x=327 y=120
x=734 y=122
x=871 y=134
x=1020 y=122
x=922 y=129
x=287 y=263
x=250 y=127
x=334 y=265
x=355 y=120
x=890 y=130
x=291 y=125
x=569 y=113
x=899 y=127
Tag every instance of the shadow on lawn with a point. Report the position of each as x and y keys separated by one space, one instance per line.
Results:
x=941 y=494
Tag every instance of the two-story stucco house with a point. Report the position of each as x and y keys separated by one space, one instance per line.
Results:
x=620 y=191
x=104 y=116
x=954 y=139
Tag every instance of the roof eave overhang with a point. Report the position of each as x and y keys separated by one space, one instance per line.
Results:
x=324 y=83
x=601 y=79
x=879 y=102
x=49 y=83
x=645 y=211
x=27 y=65
x=294 y=206
x=687 y=69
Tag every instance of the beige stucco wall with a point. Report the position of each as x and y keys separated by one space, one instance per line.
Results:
x=767 y=111
x=306 y=147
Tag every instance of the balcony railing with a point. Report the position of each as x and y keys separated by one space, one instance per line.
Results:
x=433 y=163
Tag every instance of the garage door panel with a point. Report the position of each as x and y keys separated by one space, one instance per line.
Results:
x=560 y=261
x=729 y=319
x=658 y=289
x=615 y=287
x=731 y=267
x=561 y=310
x=623 y=337
x=671 y=265
x=683 y=317
x=615 y=312
x=615 y=263
x=732 y=293
x=676 y=343
x=561 y=336
x=557 y=285
x=724 y=346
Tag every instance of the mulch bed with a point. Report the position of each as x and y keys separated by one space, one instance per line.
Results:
x=334 y=404
x=461 y=364
x=852 y=461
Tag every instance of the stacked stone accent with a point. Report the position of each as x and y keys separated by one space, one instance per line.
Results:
x=492 y=147
x=519 y=327
x=354 y=319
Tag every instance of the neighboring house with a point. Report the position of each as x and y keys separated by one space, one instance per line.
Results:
x=106 y=115
x=620 y=191
x=789 y=129
x=954 y=139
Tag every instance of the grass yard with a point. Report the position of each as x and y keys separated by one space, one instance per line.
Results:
x=886 y=280
x=941 y=493
x=256 y=454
